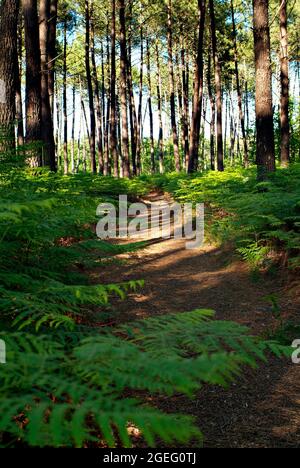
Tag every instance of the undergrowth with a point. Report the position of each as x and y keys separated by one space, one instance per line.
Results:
x=262 y=219
x=68 y=382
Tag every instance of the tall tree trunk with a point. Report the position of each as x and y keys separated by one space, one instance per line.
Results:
x=99 y=109
x=103 y=92
x=217 y=67
x=160 y=119
x=198 y=93
x=180 y=98
x=46 y=115
x=113 y=110
x=66 y=162
x=132 y=109
x=140 y=107
x=203 y=160
x=284 y=82
x=152 y=152
x=185 y=88
x=73 y=129
x=265 y=147
x=213 y=115
x=8 y=62
x=58 y=125
x=239 y=91
x=123 y=88
x=33 y=78
x=92 y=139
x=107 y=165
x=172 y=87
x=18 y=70
x=52 y=51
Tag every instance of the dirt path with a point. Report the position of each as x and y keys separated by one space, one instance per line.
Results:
x=262 y=409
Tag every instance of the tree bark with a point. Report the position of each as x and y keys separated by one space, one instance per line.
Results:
x=218 y=84
x=123 y=88
x=198 y=93
x=185 y=88
x=265 y=147
x=213 y=115
x=73 y=129
x=140 y=107
x=107 y=127
x=113 y=121
x=52 y=51
x=99 y=109
x=46 y=115
x=152 y=151
x=284 y=82
x=160 y=119
x=8 y=62
x=66 y=162
x=92 y=139
x=239 y=91
x=172 y=88
x=132 y=109
x=33 y=78
x=18 y=71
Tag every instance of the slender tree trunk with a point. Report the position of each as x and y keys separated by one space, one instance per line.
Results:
x=239 y=91
x=213 y=115
x=140 y=107
x=185 y=87
x=119 y=134
x=123 y=88
x=217 y=67
x=284 y=82
x=98 y=102
x=107 y=127
x=18 y=70
x=265 y=147
x=52 y=51
x=113 y=121
x=180 y=98
x=33 y=78
x=8 y=62
x=58 y=126
x=66 y=162
x=92 y=140
x=202 y=160
x=172 y=87
x=46 y=115
x=198 y=93
x=132 y=109
x=103 y=92
x=73 y=129
x=152 y=152
x=160 y=119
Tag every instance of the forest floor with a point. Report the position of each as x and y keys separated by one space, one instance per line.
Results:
x=262 y=408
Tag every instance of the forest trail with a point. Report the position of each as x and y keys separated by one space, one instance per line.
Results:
x=262 y=408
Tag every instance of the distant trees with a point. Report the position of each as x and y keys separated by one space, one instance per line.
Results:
x=172 y=90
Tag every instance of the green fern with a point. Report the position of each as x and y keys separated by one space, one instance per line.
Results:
x=54 y=394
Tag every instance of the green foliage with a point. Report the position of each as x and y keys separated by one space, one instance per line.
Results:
x=59 y=394
x=258 y=217
x=67 y=381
